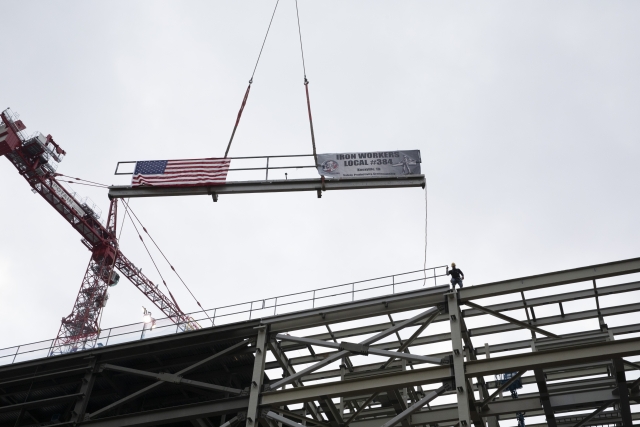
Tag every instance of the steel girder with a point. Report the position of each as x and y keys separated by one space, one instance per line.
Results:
x=383 y=389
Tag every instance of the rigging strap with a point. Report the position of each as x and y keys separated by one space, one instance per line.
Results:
x=313 y=137
x=246 y=94
x=244 y=102
x=306 y=89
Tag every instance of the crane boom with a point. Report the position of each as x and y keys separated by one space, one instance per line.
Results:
x=36 y=159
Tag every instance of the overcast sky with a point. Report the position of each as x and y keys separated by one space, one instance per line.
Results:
x=527 y=115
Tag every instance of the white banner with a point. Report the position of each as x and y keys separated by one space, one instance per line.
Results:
x=369 y=164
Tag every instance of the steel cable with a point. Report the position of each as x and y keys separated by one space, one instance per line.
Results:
x=165 y=258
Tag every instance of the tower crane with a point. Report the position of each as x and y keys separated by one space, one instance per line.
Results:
x=36 y=158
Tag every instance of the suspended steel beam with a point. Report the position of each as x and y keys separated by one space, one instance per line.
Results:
x=364 y=349
x=342 y=353
x=170 y=378
x=416 y=406
x=510 y=319
x=274 y=186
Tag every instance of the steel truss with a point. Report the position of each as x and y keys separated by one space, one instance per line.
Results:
x=372 y=363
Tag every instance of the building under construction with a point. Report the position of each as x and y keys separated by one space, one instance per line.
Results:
x=425 y=356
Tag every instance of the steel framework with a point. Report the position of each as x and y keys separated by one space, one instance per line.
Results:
x=419 y=358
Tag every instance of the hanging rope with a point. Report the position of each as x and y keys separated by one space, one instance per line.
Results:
x=166 y=259
x=306 y=89
x=426 y=206
x=246 y=94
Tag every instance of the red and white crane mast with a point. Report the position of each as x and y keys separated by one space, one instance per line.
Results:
x=36 y=158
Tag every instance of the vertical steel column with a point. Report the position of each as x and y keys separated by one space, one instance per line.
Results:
x=258 y=376
x=623 y=392
x=462 y=390
x=80 y=408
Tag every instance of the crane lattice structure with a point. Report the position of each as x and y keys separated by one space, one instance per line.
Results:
x=36 y=158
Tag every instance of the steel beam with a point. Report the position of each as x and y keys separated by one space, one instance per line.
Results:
x=273 y=186
x=415 y=407
x=544 y=398
x=170 y=378
x=342 y=353
x=365 y=348
x=40 y=403
x=623 y=392
x=464 y=414
x=404 y=346
x=377 y=306
x=86 y=387
x=190 y=368
x=510 y=319
x=543 y=359
x=540 y=281
x=258 y=376
x=287 y=370
x=593 y=414
x=500 y=389
x=173 y=414
x=555 y=358
x=282 y=419
x=528 y=403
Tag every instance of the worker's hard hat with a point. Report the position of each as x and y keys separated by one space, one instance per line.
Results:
x=453 y=264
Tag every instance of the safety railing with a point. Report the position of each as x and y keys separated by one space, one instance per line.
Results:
x=299 y=301
x=252 y=167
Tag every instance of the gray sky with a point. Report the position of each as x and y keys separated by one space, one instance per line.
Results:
x=526 y=113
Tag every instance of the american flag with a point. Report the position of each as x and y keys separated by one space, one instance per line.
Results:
x=180 y=173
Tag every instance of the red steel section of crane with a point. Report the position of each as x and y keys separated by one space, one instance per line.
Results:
x=35 y=158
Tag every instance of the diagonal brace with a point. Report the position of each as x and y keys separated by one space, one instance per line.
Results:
x=362 y=407
x=500 y=389
x=412 y=338
x=148 y=388
x=288 y=369
x=340 y=354
x=282 y=419
x=416 y=406
x=364 y=349
x=594 y=413
x=510 y=319
x=170 y=378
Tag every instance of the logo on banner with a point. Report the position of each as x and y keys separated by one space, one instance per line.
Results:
x=406 y=164
x=330 y=166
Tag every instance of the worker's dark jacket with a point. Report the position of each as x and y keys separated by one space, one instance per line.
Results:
x=455 y=273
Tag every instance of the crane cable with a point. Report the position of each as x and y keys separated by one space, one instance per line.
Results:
x=90 y=183
x=246 y=94
x=150 y=256
x=306 y=89
x=165 y=258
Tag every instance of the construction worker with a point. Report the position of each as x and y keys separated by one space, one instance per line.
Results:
x=457 y=276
